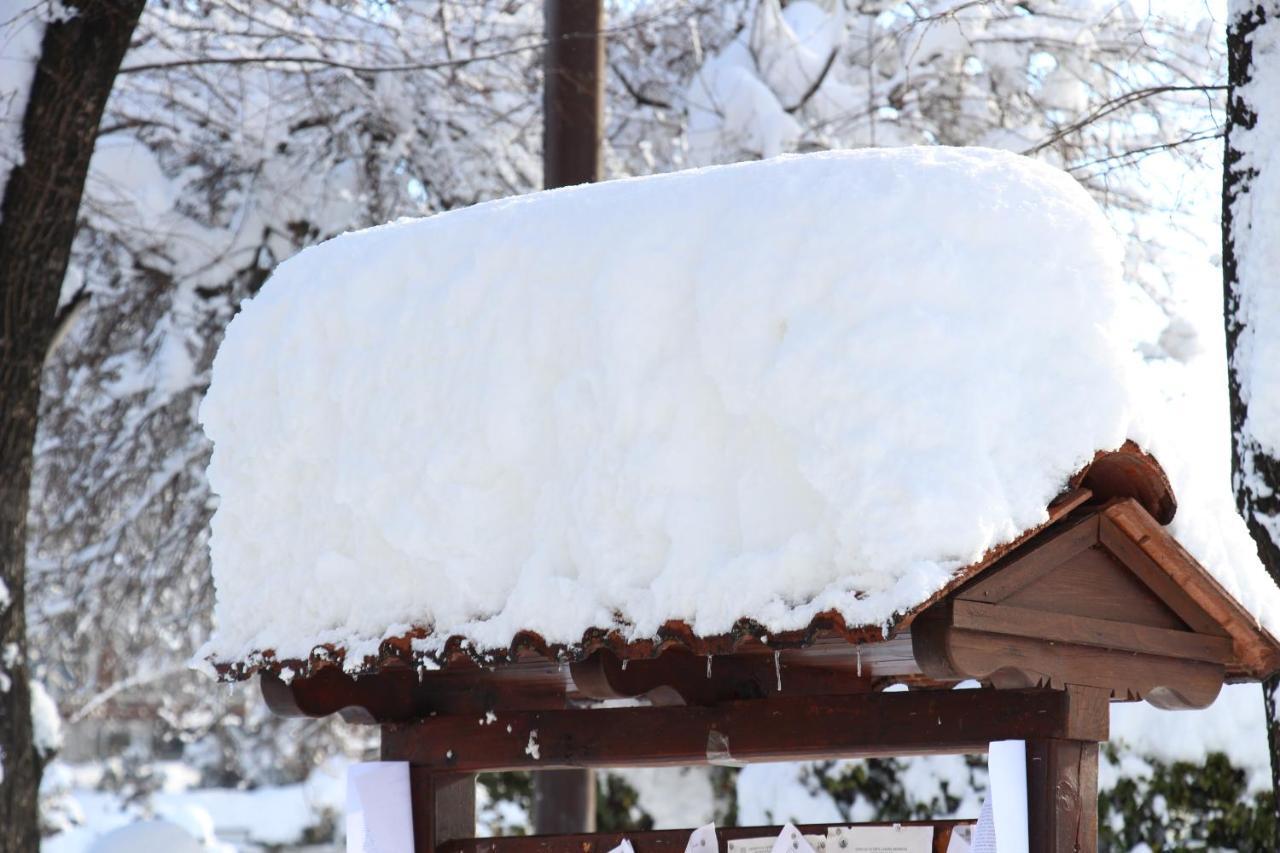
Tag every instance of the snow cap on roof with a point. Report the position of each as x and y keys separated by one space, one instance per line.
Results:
x=767 y=390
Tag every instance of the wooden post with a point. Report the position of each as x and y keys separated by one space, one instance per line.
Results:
x=444 y=807
x=1062 y=783
x=1062 y=796
x=572 y=93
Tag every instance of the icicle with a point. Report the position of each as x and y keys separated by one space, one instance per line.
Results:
x=708 y=666
x=777 y=668
x=859 y=648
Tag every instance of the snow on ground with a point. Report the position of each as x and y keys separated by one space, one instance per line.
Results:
x=762 y=390
x=215 y=819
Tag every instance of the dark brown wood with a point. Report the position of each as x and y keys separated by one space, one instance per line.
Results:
x=397 y=693
x=444 y=806
x=1062 y=796
x=1130 y=472
x=1095 y=584
x=573 y=92
x=1257 y=652
x=1086 y=604
x=946 y=652
x=678 y=677
x=786 y=729
x=1083 y=630
x=667 y=840
x=1155 y=577
x=1028 y=565
x=400 y=693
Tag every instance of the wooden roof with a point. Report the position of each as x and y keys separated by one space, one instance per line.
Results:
x=1104 y=532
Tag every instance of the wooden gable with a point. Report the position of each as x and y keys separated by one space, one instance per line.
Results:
x=1107 y=599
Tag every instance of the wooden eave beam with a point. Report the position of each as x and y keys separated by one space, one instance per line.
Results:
x=787 y=729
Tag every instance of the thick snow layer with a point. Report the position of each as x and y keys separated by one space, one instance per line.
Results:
x=216 y=820
x=763 y=390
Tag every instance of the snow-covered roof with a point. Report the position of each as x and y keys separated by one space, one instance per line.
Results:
x=811 y=385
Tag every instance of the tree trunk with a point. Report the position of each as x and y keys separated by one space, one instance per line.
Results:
x=564 y=801
x=78 y=62
x=1253 y=45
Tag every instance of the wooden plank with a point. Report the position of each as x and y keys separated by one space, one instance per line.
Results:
x=443 y=804
x=1066 y=628
x=1032 y=564
x=1119 y=534
x=1094 y=583
x=784 y=729
x=444 y=807
x=1257 y=649
x=1062 y=796
x=667 y=840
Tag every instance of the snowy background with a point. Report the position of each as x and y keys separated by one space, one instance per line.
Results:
x=209 y=172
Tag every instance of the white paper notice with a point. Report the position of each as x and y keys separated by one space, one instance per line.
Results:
x=1007 y=767
x=984 y=834
x=703 y=840
x=379 y=812
x=751 y=845
x=880 y=839
x=817 y=843
x=624 y=847
x=791 y=841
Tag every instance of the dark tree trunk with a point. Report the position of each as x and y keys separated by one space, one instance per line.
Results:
x=573 y=92
x=564 y=801
x=1255 y=473
x=78 y=62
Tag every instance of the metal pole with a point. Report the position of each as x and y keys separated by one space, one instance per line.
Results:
x=573 y=93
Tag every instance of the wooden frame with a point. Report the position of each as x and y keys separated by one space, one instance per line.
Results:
x=1062 y=729
x=1098 y=604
